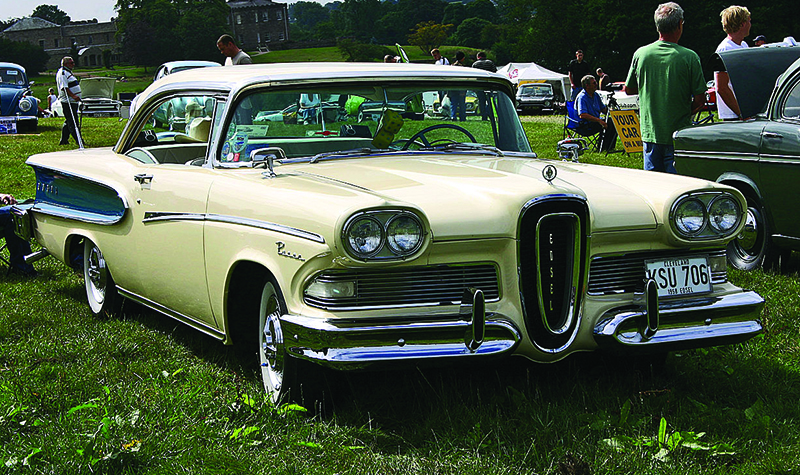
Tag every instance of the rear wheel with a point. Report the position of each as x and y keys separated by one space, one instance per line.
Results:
x=101 y=292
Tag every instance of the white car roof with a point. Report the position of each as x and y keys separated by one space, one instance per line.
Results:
x=236 y=77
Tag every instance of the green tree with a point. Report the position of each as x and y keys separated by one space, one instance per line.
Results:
x=51 y=13
x=470 y=33
x=483 y=9
x=307 y=15
x=429 y=35
x=454 y=14
x=32 y=58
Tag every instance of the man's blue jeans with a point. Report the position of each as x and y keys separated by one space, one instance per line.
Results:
x=659 y=157
x=17 y=247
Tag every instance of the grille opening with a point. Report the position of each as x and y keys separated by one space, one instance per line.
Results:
x=552 y=253
x=424 y=285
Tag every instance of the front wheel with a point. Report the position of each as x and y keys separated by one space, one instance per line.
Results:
x=277 y=368
x=752 y=248
x=101 y=292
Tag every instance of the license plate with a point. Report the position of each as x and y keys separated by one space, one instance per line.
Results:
x=680 y=276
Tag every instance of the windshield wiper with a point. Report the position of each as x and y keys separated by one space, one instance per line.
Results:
x=467 y=147
x=342 y=153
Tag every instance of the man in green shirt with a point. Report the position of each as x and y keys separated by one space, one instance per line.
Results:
x=670 y=84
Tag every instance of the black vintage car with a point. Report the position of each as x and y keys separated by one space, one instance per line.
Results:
x=759 y=155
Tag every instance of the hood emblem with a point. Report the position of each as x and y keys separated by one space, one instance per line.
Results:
x=549 y=173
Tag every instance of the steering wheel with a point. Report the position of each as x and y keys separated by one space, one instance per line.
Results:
x=421 y=135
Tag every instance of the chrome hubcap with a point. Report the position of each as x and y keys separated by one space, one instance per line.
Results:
x=96 y=270
x=272 y=345
x=749 y=236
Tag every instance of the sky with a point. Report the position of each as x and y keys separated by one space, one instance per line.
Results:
x=103 y=10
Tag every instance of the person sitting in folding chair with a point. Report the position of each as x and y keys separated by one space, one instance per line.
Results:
x=590 y=108
x=17 y=247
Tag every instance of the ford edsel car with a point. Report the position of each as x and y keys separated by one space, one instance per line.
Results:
x=330 y=242
x=18 y=108
x=759 y=155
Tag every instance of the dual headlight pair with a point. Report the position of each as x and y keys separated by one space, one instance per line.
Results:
x=706 y=215
x=383 y=234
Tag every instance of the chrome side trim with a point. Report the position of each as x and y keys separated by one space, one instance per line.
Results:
x=779 y=159
x=356 y=343
x=74 y=214
x=207 y=329
x=152 y=217
x=738 y=156
x=278 y=228
x=700 y=322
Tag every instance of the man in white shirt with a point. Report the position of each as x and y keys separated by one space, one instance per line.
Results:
x=233 y=54
x=736 y=23
x=69 y=94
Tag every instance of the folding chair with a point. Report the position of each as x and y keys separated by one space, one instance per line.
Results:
x=705 y=114
x=571 y=122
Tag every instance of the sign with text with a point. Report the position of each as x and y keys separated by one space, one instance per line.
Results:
x=627 y=125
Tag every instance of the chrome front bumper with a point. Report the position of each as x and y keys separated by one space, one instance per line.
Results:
x=684 y=324
x=358 y=343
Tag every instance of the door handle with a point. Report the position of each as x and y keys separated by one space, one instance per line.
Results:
x=771 y=135
x=143 y=178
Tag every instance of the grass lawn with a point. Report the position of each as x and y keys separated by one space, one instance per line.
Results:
x=144 y=394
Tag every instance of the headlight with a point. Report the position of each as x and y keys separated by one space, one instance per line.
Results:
x=723 y=214
x=690 y=217
x=365 y=237
x=706 y=215
x=404 y=234
x=383 y=234
x=25 y=104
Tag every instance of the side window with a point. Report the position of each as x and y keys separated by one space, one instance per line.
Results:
x=177 y=131
x=791 y=108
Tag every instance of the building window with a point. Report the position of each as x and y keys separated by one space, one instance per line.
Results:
x=90 y=39
x=241 y=41
x=55 y=43
x=281 y=37
x=256 y=17
x=267 y=38
x=238 y=19
x=279 y=15
x=41 y=44
x=106 y=37
x=73 y=41
x=258 y=38
x=265 y=16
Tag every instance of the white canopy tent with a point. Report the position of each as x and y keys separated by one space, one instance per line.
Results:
x=522 y=73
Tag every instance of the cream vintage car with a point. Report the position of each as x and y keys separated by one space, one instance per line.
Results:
x=328 y=241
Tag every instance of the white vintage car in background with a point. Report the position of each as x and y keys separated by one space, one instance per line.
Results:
x=328 y=241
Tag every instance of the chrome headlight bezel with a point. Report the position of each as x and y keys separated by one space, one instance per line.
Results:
x=348 y=237
x=25 y=104
x=706 y=201
x=387 y=249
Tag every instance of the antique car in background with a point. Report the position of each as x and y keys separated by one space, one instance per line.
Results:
x=410 y=239
x=759 y=155
x=97 y=98
x=534 y=97
x=183 y=65
x=18 y=109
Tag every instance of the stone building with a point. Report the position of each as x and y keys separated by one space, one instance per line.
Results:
x=91 y=38
x=258 y=24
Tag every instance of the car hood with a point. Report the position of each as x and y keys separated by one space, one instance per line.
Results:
x=9 y=98
x=482 y=197
x=753 y=72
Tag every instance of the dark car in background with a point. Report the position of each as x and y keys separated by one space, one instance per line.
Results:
x=535 y=97
x=18 y=108
x=759 y=155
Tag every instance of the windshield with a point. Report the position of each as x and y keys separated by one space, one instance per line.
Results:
x=538 y=90
x=367 y=118
x=12 y=77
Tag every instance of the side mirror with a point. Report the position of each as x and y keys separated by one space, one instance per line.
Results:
x=267 y=156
